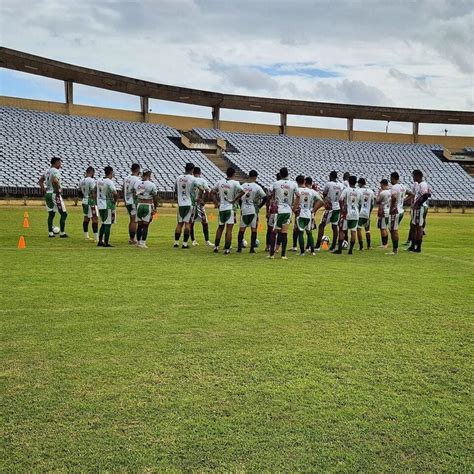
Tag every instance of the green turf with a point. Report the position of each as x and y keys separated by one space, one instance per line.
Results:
x=130 y=360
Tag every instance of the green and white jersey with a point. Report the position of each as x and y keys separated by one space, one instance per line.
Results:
x=105 y=193
x=383 y=200
x=333 y=191
x=308 y=198
x=49 y=175
x=186 y=185
x=201 y=184
x=367 y=198
x=399 y=191
x=145 y=190
x=87 y=186
x=251 y=199
x=228 y=190
x=285 y=192
x=420 y=189
x=351 y=199
x=129 y=184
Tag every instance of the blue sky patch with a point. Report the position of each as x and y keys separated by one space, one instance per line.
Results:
x=297 y=69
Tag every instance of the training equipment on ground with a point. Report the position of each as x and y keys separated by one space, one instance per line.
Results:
x=325 y=239
x=26 y=224
x=257 y=243
x=55 y=230
x=21 y=243
x=244 y=244
x=345 y=244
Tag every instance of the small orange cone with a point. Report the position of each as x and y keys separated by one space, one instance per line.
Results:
x=22 y=243
x=260 y=227
x=155 y=216
x=325 y=246
x=212 y=218
x=25 y=214
x=26 y=224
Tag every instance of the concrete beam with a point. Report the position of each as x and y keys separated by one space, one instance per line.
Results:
x=283 y=123
x=69 y=92
x=416 y=126
x=216 y=116
x=350 y=128
x=144 y=107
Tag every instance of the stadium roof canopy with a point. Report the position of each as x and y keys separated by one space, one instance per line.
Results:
x=70 y=73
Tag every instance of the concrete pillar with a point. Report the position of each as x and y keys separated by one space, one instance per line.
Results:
x=144 y=107
x=69 y=95
x=415 y=131
x=283 y=123
x=216 y=116
x=350 y=128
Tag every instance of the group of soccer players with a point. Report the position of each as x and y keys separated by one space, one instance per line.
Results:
x=347 y=209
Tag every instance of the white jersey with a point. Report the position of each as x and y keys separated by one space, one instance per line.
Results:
x=129 y=184
x=346 y=184
x=383 y=200
x=105 y=190
x=228 y=190
x=350 y=199
x=420 y=190
x=252 y=198
x=333 y=191
x=308 y=198
x=87 y=186
x=398 y=191
x=186 y=185
x=367 y=198
x=285 y=193
x=49 y=175
x=145 y=190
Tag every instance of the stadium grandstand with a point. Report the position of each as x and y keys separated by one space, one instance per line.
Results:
x=32 y=132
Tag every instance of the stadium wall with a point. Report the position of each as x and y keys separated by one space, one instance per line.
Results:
x=187 y=123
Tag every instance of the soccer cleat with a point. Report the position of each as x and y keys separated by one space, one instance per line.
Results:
x=313 y=253
x=63 y=236
x=252 y=251
x=350 y=252
x=185 y=246
x=410 y=249
x=300 y=255
x=417 y=250
x=227 y=252
x=176 y=245
x=208 y=243
x=100 y=244
x=108 y=245
x=337 y=252
x=272 y=257
x=132 y=241
x=317 y=249
x=216 y=249
x=142 y=245
x=293 y=249
x=391 y=253
x=194 y=244
x=51 y=235
x=285 y=257
x=383 y=246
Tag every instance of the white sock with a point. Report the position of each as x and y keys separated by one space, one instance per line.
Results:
x=96 y=236
x=86 y=235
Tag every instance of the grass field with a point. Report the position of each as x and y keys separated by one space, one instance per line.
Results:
x=130 y=360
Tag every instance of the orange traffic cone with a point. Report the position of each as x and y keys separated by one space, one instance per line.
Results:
x=26 y=224
x=25 y=214
x=325 y=246
x=22 y=243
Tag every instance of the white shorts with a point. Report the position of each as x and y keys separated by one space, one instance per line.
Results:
x=144 y=212
x=249 y=220
x=395 y=220
x=54 y=203
x=108 y=216
x=383 y=222
x=418 y=216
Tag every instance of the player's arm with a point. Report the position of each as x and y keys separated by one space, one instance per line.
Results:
x=263 y=202
x=421 y=200
x=393 y=203
x=214 y=197
x=41 y=181
x=238 y=197
x=114 y=195
x=55 y=184
x=296 y=203
x=155 y=203
x=79 y=191
x=94 y=193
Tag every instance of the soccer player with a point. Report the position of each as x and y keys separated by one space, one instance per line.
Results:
x=87 y=187
x=331 y=194
x=420 y=202
x=272 y=211
x=129 y=184
x=186 y=185
x=396 y=209
x=52 y=195
x=225 y=194
x=310 y=201
x=200 y=208
x=253 y=199
x=383 y=213
x=366 y=206
x=287 y=196
x=350 y=201
x=147 y=203
x=107 y=198
x=345 y=179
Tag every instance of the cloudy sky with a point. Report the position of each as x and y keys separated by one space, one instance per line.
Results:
x=407 y=53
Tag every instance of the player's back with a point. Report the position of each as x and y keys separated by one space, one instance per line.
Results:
x=185 y=189
x=285 y=191
x=333 y=190
x=351 y=201
x=399 y=192
x=366 y=202
x=145 y=190
x=129 y=184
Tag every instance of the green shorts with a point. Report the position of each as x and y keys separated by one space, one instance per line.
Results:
x=350 y=224
x=334 y=216
x=283 y=219
x=89 y=211
x=131 y=209
x=226 y=217
x=107 y=216
x=248 y=220
x=364 y=223
x=185 y=214
x=303 y=223
x=144 y=212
